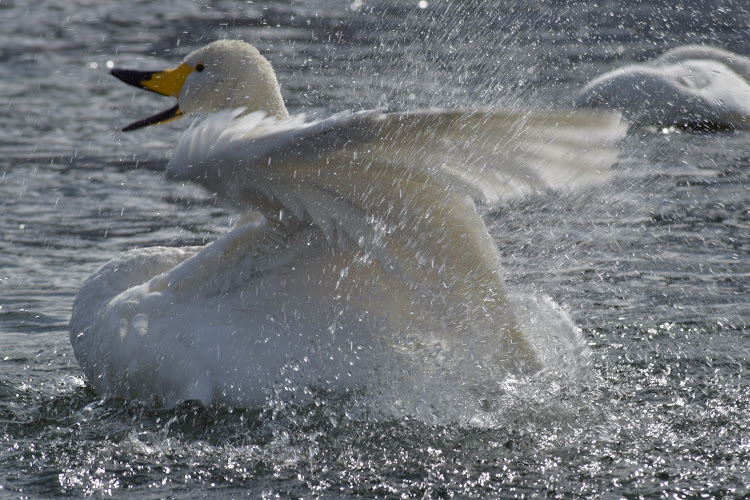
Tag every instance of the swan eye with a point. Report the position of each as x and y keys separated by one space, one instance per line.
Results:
x=200 y=68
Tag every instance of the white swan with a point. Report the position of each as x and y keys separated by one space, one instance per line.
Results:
x=691 y=86
x=360 y=238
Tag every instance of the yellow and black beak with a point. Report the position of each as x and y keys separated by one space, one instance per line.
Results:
x=168 y=82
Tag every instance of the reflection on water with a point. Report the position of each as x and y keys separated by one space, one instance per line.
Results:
x=653 y=269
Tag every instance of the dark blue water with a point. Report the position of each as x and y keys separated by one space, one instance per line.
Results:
x=654 y=267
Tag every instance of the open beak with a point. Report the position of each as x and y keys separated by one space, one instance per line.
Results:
x=168 y=82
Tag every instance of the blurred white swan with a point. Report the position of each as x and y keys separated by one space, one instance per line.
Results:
x=360 y=237
x=692 y=86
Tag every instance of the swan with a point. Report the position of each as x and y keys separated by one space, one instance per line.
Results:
x=358 y=239
x=691 y=86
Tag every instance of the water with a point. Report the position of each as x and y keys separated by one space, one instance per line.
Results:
x=653 y=268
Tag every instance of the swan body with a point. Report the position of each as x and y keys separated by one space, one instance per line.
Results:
x=359 y=241
x=689 y=86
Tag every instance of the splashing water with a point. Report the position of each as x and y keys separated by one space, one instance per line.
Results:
x=647 y=394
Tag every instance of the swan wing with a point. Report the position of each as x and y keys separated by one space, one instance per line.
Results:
x=496 y=155
x=489 y=155
x=400 y=186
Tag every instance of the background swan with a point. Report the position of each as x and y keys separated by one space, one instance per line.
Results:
x=688 y=86
x=359 y=236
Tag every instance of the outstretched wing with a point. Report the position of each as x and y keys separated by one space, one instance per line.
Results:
x=398 y=185
x=501 y=154
x=489 y=155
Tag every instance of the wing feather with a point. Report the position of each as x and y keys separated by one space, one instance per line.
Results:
x=488 y=155
x=398 y=185
x=399 y=188
x=503 y=154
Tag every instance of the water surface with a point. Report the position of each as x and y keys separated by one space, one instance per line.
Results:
x=654 y=268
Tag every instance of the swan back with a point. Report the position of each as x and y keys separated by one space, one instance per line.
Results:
x=691 y=86
x=737 y=63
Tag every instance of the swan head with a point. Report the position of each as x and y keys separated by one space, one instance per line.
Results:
x=225 y=74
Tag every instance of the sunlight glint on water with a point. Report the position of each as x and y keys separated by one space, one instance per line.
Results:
x=649 y=397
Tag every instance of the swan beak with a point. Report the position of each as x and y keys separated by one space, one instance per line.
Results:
x=168 y=82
